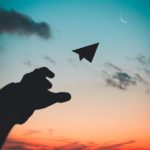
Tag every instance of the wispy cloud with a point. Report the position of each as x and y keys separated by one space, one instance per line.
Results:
x=120 y=78
x=65 y=145
x=143 y=60
x=27 y=62
x=139 y=78
x=12 y=144
x=73 y=146
x=117 y=146
x=144 y=63
x=31 y=132
x=72 y=61
x=147 y=72
x=18 y=23
x=50 y=60
x=110 y=65
x=16 y=147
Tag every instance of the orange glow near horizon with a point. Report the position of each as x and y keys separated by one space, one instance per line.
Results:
x=96 y=126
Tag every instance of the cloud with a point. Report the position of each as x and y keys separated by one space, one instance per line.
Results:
x=120 y=78
x=147 y=72
x=145 y=63
x=73 y=146
x=72 y=61
x=123 y=79
x=108 y=64
x=15 y=22
x=12 y=144
x=27 y=63
x=66 y=144
x=143 y=60
x=116 y=146
x=31 y=132
x=50 y=60
x=139 y=78
x=16 y=147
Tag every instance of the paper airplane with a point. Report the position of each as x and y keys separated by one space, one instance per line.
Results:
x=87 y=52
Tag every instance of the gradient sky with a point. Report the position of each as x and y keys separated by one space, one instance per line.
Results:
x=99 y=116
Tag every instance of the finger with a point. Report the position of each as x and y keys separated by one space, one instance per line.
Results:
x=37 y=75
x=60 y=97
x=44 y=72
x=43 y=84
x=48 y=98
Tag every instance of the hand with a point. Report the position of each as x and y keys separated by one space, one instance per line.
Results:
x=19 y=100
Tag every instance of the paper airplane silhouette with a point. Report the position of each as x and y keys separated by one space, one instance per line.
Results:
x=87 y=52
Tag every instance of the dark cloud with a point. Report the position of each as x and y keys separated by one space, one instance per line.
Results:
x=15 y=22
x=117 y=146
x=123 y=79
x=119 y=78
x=50 y=60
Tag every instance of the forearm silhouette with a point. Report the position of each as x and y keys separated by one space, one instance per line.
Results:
x=18 y=101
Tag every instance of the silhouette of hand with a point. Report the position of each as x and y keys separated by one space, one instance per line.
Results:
x=19 y=100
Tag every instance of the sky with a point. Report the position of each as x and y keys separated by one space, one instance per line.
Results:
x=110 y=105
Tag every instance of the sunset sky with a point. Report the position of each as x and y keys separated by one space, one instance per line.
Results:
x=110 y=105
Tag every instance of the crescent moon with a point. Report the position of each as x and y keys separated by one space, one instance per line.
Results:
x=122 y=20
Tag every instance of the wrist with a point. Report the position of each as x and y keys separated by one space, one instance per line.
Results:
x=5 y=127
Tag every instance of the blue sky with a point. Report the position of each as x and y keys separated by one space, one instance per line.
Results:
x=78 y=23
